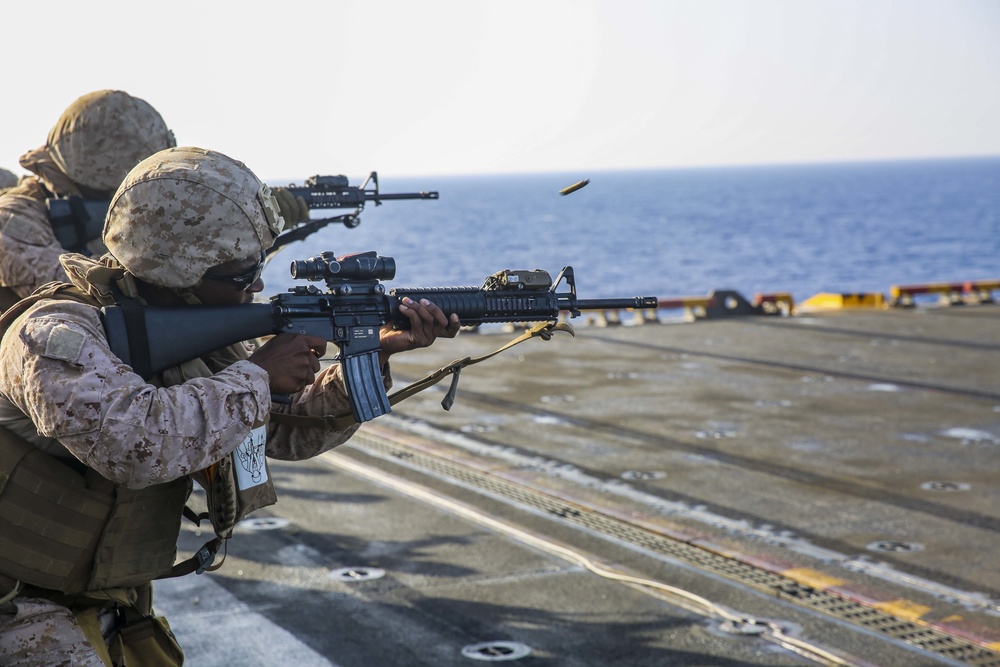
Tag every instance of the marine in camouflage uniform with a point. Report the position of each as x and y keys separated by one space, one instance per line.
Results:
x=186 y=226
x=95 y=142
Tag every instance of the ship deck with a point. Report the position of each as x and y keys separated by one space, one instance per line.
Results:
x=756 y=490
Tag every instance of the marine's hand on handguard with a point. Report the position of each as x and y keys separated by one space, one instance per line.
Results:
x=291 y=361
x=427 y=324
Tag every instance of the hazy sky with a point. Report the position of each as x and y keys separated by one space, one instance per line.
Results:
x=436 y=87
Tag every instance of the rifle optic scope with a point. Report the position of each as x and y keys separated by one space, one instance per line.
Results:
x=360 y=266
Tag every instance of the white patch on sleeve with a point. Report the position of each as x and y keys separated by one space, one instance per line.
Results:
x=250 y=468
x=64 y=343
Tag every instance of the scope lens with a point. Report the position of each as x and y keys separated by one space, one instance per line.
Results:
x=314 y=268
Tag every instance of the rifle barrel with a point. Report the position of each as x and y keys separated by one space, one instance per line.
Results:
x=405 y=195
x=616 y=304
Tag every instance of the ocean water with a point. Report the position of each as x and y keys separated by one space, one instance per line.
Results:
x=683 y=232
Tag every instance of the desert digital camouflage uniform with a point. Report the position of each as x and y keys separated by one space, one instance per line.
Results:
x=88 y=152
x=62 y=389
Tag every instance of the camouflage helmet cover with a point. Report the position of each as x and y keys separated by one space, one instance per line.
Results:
x=184 y=210
x=104 y=134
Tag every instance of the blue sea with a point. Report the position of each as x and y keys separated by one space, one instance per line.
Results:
x=804 y=229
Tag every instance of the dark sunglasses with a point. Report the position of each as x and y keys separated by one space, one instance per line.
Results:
x=242 y=281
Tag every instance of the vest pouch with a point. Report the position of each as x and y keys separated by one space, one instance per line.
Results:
x=140 y=541
x=240 y=483
x=147 y=641
x=50 y=521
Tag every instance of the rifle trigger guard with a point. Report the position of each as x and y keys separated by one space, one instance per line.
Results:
x=546 y=329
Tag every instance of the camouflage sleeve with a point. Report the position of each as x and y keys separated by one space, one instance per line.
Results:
x=29 y=251
x=325 y=396
x=56 y=367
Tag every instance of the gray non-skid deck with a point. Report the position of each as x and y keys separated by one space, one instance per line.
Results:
x=741 y=491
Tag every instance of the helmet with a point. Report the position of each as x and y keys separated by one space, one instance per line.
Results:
x=104 y=134
x=184 y=210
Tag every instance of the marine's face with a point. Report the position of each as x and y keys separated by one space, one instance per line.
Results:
x=234 y=282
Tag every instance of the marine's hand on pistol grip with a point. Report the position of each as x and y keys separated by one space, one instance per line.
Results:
x=291 y=361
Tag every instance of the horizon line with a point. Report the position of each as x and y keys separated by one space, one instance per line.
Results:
x=681 y=167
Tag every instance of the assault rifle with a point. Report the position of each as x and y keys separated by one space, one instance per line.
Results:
x=77 y=221
x=334 y=192
x=349 y=312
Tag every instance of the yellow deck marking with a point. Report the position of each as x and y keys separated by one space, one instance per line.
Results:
x=907 y=609
x=813 y=578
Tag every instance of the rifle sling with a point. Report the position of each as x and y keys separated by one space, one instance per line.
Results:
x=202 y=561
x=543 y=330
x=135 y=328
x=78 y=223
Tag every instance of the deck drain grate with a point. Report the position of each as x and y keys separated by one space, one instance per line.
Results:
x=643 y=475
x=354 y=574
x=895 y=546
x=264 y=523
x=496 y=651
x=945 y=486
x=928 y=639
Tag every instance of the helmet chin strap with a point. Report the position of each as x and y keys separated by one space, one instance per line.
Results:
x=188 y=296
